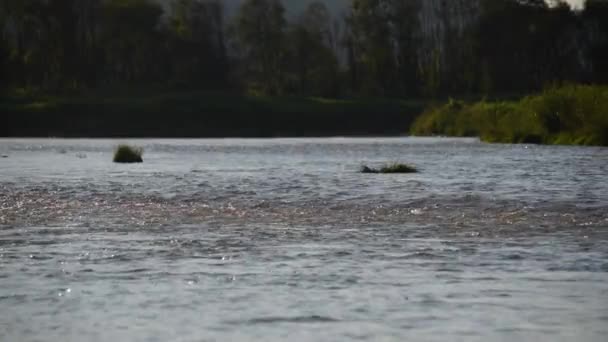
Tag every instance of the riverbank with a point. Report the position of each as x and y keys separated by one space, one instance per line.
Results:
x=568 y=115
x=201 y=114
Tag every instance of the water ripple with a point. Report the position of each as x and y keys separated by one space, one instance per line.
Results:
x=269 y=239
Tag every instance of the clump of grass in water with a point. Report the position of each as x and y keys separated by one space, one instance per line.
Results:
x=128 y=154
x=390 y=168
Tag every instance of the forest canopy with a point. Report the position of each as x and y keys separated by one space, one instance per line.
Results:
x=384 y=48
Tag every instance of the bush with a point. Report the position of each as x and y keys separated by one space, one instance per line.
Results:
x=390 y=168
x=128 y=154
x=574 y=115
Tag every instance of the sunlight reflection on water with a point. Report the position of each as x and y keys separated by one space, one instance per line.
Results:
x=274 y=239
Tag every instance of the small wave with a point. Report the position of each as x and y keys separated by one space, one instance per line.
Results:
x=297 y=319
x=513 y=257
x=422 y=255
x=14 y=297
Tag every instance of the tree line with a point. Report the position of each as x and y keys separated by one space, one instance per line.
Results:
x=391 y=48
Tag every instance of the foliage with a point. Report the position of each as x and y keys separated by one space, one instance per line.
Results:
x=540 y=46
x=195 y=35
x=260 y=32
x=128 y=154
x=390 y=168
x=572 y=114
x=394 y=48
x=60 y=57
x=312 y=67
x=130 y=35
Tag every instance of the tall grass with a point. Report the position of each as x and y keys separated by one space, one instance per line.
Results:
x=572 y=115
x=153 y=113
x=390 y=168
x=128 y=154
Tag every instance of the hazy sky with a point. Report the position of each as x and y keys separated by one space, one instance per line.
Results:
x=339 y=3
x=295 y=6
x=576 y=3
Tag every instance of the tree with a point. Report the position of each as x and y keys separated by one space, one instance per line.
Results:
x=406 y=32
x=25 y=35
x=312 y=63
x=538 y=48
x=260 y=31
x=130 y=37
x=316 y=19
x=595 y=17
x=370 y=35
x=198 y=53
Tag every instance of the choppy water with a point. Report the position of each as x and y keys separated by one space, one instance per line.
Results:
x=215 y=240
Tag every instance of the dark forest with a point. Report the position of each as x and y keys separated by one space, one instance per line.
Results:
x=382 y=49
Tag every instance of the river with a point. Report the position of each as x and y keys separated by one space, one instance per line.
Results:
x=276 y=239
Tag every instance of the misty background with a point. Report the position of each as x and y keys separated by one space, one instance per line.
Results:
x=336 y=6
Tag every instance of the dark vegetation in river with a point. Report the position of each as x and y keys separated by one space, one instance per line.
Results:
x=389 y=168
x=126 y=154
x=188 y=68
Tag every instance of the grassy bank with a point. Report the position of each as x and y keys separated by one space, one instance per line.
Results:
x=200 y=114
x=569 y=115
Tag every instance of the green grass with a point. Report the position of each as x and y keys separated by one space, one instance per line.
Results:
x=171 y=113
x=128 y=154
x=390 y=168
x=569 y=115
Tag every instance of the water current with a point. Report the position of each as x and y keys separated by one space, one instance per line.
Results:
x=276 y=239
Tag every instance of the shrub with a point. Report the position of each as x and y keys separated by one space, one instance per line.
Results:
x=128 y=154
x=390 y=168
x=573 y=114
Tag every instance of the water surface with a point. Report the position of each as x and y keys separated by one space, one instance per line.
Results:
x=214 y=240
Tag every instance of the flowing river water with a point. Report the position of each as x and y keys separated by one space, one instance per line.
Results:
x=269 y=240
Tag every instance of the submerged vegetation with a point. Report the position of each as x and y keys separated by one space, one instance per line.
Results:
x=128 y=154
x=390 y=168
x=569 y=115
